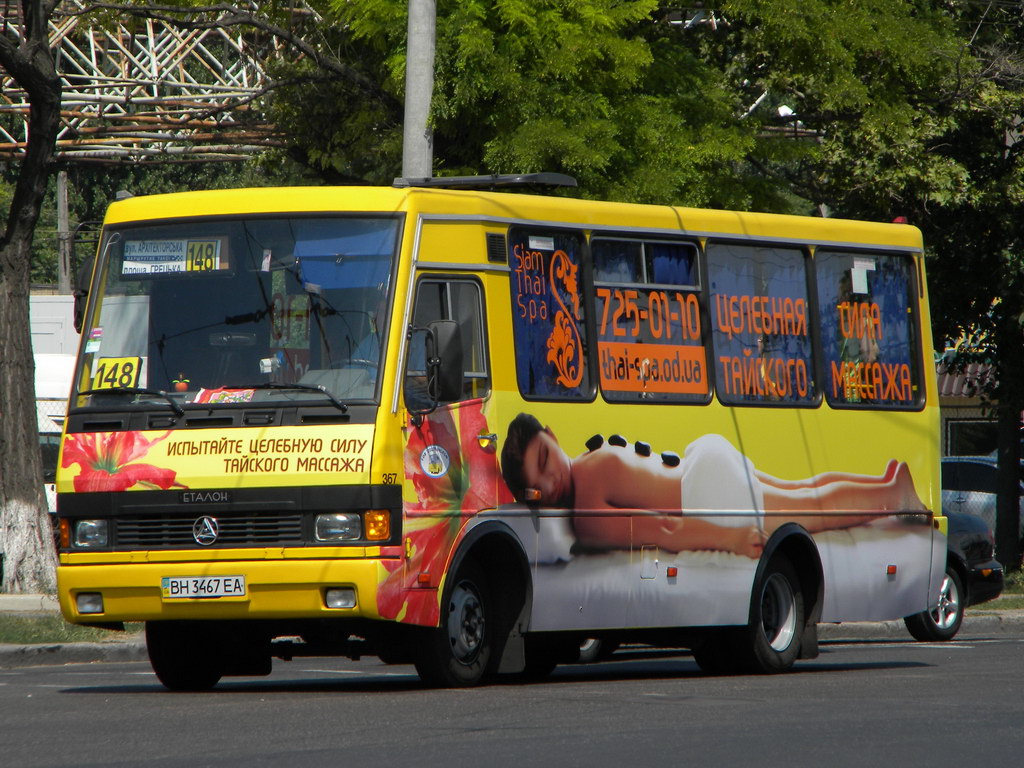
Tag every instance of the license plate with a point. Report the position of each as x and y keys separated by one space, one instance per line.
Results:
x=198 y=587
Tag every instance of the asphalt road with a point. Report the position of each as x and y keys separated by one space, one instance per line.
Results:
x=862 y=703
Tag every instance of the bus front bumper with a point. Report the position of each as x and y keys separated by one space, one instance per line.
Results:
x=136 y=591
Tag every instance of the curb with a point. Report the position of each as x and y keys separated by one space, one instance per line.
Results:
x=975 y=625
x=55 y=654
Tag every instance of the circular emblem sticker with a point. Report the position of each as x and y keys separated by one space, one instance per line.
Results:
x=435 y=461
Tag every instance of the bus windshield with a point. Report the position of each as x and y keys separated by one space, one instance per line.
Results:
x=239 y=310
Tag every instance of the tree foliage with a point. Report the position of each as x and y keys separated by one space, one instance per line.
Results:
x=598 y=89
x=93 y=187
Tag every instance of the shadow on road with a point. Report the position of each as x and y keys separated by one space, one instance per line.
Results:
x=627 y=665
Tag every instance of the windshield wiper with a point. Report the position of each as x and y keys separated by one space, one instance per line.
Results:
x=137 y=391
x=318 y=388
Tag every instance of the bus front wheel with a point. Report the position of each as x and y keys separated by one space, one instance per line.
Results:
x=456 y=654
x=181 y=658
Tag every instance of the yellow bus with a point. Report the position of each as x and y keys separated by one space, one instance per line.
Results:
x=453 y=424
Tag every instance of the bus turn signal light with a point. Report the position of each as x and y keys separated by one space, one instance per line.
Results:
x=377 y=524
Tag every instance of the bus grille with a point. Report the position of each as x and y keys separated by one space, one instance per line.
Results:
x=153 y=531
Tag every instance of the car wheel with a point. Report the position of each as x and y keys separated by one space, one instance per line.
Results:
x=180 y=657
x=944 y=620
x=456 y=654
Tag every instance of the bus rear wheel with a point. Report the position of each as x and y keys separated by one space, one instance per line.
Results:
x=718 y=653
x=771 y=642
x=180 y=657
x=456 y=654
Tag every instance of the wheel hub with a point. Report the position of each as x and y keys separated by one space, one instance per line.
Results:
x=946 y=612
x=465 y=623
x=778 y=612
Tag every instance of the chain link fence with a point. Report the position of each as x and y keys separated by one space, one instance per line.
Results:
x=50 y=421
x=970 y=485
x=970 y=468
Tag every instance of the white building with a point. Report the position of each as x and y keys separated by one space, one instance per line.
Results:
x=54 y=346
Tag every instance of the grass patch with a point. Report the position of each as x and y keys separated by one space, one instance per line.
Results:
x=1005 y=603
x=1014 y=583
x=29 y=630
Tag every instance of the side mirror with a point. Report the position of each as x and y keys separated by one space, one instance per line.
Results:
x=81 y=292
x=434 y=371
x=444 y=360
x=83 y=277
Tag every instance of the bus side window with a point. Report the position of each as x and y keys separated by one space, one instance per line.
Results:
x=647 y=310
x=760 y=313
x=458 y=300
x=869 y=331
x=549 y=313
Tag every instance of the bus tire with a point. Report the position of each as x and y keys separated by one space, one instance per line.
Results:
x=180 y=658
x=540 y=662
x=942 y=622
x=771 y=642
x=717 y=654
x=593 y=650
x=456 y=654
x=544 y=652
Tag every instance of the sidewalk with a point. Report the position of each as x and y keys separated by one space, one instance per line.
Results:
x=122 y=646
x=980 y=622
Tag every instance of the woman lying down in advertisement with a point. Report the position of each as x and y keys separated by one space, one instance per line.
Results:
x=729 y=510
x=710 y=484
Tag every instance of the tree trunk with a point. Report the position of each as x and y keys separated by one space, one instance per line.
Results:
x=25 y=540
x=26 y=543
x=1008 y=394
x=1007 y=531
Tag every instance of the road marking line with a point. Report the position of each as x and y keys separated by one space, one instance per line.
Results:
x=358 y=672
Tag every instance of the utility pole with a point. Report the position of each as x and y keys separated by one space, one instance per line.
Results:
x=63 y=236
x=418 y=140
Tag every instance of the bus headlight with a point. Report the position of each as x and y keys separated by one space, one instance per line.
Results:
x=339 y=526
x=91 y=533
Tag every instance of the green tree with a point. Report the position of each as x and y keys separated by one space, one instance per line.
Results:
x=93 y=187
x=600 y=89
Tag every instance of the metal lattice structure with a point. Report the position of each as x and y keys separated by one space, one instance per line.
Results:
x=145 y=90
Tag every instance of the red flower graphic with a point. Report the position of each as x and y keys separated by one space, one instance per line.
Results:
x=105 y=459
x=442 y=507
